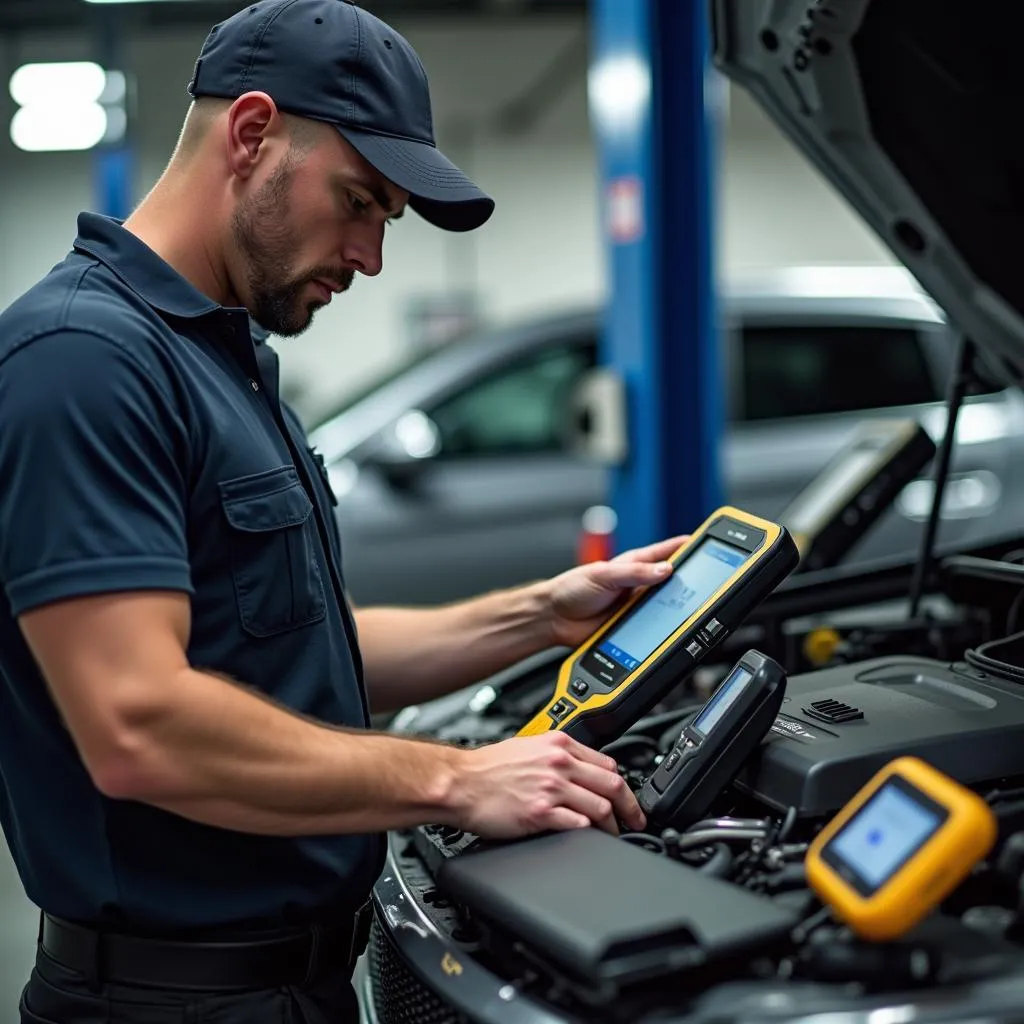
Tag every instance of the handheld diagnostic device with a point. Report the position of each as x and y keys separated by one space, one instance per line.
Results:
x=898 y=848
x=721 y=573
x=856 y=486
x=714 y=745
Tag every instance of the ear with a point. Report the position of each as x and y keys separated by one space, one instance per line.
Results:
x=254 y=127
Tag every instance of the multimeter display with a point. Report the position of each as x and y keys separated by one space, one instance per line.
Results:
x=670 y=605
x=883 y=835
x=724 y=697
x=901 y=845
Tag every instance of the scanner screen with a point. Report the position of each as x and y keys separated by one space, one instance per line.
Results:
x=639 y=634
x=722 y=699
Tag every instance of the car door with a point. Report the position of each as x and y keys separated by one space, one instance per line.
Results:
x=802 y=386
x=499 y=502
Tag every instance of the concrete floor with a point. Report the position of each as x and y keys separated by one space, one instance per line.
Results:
x=19 y=925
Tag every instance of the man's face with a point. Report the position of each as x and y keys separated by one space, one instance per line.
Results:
x=308 y=228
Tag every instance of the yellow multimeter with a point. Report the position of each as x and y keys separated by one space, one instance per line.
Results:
x=722 y=572
x=898 y=848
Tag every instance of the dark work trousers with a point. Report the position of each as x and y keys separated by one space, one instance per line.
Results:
x=55 y=995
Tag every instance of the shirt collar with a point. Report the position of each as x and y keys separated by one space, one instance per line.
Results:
x=154 y=280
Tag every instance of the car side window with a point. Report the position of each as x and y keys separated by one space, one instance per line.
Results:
x=817 y=370
x=518 y=410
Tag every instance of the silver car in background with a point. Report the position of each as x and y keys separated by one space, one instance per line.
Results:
x=455 y=475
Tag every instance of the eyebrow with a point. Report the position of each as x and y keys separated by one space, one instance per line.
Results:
x=380 y=197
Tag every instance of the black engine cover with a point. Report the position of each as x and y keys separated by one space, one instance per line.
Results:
x=838 y=726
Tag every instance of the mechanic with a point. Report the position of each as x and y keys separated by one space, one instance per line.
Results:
x=191 y=793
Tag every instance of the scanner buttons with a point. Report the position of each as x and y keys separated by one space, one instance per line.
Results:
x=711 y=632
x=680 y=755
x=579 y=687
x=561 y=708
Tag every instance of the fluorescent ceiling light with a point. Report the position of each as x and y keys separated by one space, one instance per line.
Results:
x=67 y=106
x=53 y=85
x=42 y=130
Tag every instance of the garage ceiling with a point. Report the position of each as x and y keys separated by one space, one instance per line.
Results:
x=24 y=15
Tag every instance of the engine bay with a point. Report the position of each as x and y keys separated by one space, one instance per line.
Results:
x=591 y=944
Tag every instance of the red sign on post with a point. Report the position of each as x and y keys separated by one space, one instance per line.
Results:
x=625 y=211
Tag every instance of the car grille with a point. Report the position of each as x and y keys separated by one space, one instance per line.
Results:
x=399 y=997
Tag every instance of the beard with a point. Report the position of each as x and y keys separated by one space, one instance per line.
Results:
x=262 y=230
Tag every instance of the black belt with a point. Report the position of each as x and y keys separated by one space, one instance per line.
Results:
x=292 y=958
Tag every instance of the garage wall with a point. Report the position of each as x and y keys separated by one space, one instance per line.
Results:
x=542 y=249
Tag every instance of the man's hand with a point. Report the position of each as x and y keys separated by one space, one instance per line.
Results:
x=543 y=783
x=582 y=598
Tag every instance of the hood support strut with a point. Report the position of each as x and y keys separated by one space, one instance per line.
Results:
x=960 y=382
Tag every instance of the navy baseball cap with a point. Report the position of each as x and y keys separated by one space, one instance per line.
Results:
x=329 y=60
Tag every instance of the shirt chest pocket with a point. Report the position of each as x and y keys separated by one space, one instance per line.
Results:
x=272 y=539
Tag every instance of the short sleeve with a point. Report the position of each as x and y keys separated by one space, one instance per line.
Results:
x=93 y=464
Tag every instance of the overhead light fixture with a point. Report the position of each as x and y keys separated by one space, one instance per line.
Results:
x=67 y=106
x=38 y=85
x=34 y=133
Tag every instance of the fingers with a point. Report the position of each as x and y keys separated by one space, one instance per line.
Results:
x=612 y=788
x=585 y=753
x=597 y=809
x=597 y=775
x=561 y=819
x=627 y=575
x=656 y=552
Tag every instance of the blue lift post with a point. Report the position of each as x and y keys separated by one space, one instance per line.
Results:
x=113 y=171
x=648 y=74
x=113 y=162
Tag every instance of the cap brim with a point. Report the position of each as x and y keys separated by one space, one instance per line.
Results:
x=439 y=192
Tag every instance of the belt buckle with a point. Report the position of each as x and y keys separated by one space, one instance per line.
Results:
x=360 y=932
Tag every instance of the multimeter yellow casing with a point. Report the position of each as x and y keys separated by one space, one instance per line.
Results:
x=598 y=697
x=962 y=831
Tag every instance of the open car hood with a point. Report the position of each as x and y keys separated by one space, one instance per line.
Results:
x=913 y=110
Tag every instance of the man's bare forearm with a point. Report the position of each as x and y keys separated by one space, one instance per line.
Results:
x=222 y=755
x=416 y=654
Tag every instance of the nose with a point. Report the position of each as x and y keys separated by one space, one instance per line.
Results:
x=364 y=252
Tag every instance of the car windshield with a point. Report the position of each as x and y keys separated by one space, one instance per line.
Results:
x=402 y=364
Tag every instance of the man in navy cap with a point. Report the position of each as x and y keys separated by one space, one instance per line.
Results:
x=190 y=789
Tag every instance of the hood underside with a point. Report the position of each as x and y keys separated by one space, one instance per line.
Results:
x=912 y=109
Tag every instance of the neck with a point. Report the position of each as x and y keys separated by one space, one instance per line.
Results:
x=178 y=220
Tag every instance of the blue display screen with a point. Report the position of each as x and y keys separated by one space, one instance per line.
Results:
x=722 y=699
x=639 y=634
x=883 y=834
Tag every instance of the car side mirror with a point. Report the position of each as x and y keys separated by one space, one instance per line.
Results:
x=406 y=447
x=594 y=424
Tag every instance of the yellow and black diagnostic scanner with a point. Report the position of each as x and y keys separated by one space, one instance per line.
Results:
x=731 y=563
x=713 y=746
x=856 y=486
x=898 y=848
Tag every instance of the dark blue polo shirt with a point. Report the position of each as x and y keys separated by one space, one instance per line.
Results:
x=143 y=446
